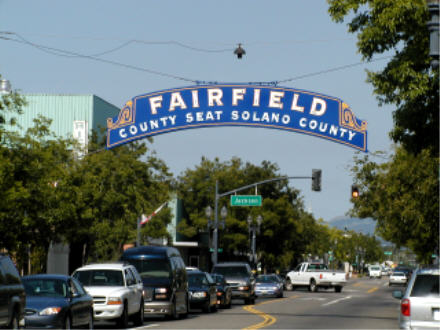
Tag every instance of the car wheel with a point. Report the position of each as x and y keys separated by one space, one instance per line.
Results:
x=174 y=315
x=123 y=319
x=139 y=316
x=15 y=322
x=312 y=286
x=289 y=285
x=338 y=288
x=185 y=315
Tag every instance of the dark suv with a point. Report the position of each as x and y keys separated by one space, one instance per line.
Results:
x=239 y=276
x=12 y=295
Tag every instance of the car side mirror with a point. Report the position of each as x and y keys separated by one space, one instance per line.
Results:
x=397 y=294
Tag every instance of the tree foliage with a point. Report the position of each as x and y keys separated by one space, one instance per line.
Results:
x=403 y=196
x=407 y=81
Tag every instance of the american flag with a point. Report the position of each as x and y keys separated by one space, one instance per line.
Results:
x=145 y=219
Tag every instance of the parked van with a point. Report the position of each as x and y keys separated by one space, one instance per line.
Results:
x=164 y=278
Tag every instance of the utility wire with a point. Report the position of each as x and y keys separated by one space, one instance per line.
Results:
x=65 y=53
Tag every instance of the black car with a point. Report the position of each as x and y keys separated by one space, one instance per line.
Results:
x=239 y=276
x=12 y=295
x=56 y=301
x=202 y=291
x=224 y=291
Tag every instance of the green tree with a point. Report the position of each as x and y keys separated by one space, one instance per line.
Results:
x=11 y=104
x=284 y=218
x=106 y=192
x=398 y=26
x=30 y=166
x=403 y=196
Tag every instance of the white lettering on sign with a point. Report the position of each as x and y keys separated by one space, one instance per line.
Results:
x=275 y=99
x=317 y=102
x=215 y=96
x=323 y=127
x=176 y=101
x=237 y=94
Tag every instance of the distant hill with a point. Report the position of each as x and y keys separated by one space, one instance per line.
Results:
x=363 y=226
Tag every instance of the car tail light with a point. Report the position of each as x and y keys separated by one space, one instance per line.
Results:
x=219 y=293
x=405 y=307
x=320 y=276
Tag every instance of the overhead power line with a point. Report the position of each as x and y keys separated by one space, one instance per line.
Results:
x=95 y=57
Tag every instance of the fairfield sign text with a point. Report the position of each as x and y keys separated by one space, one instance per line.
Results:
x=237 y=105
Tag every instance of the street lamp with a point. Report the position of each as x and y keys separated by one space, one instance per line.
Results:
x=254 y=228
x=215 y=225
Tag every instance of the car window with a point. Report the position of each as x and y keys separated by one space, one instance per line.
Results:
x=197 y=279
x=45 y=287
x=231 y=271
x=210 y=279
x=152 y=268
x=136 y=275
x=10 y=273
x=100 y=277
x=75 y=285
x=129 y=279
x=425 y=285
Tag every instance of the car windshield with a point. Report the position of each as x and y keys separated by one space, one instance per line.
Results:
x=375 y=268
x=232 y=271
x=149 y=268
x=197 y=280
x=398 y=274
x=426 y=285
x=267 y=279
x=45 y=287
x=217 y=278
x=100 y=277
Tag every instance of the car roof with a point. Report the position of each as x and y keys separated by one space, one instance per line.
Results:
x=150 y=250
x=108 y=266
x=46 y=276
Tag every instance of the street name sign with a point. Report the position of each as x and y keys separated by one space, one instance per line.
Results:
x=245 y=200
x=248 y=105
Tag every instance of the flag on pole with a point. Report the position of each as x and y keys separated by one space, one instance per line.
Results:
x=145 y=219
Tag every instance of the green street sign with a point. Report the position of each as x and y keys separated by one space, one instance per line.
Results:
x=388 y=253
x=219 y=250
x=246 y=200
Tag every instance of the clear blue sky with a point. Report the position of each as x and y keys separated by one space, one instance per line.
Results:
x=283 y=39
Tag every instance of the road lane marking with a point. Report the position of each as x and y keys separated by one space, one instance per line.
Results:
x=267 y=318
x=373 y=289
x=336 y=301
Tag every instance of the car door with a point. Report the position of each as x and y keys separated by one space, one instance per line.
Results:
x=137 y=287
x=212 y=289
x=79 y=303
x=130 y=283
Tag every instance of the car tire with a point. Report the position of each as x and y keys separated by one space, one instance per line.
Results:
x=313 y=287
x=174 y=315
x=139 y=316
x=185 y=315
x=338 y=288
x=289 y=285
x=123 y=319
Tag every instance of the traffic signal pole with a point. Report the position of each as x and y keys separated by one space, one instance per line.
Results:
x=218 y=196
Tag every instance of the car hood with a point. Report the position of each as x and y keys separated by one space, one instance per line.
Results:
x=105 y=290
x=234 y=280
x=39 y=302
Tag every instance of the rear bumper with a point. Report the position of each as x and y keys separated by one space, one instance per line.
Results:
x=158 y=307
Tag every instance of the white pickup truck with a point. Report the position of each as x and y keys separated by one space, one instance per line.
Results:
x=314 y=275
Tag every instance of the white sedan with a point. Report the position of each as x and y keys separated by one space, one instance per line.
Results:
x=398 y=278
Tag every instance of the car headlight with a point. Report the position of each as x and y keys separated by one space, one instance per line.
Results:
x=114 y=301
x=50 y=311
x=243 y=288
x=199 y=294
x=161 y=293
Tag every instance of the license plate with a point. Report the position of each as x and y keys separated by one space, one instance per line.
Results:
x=436 y=314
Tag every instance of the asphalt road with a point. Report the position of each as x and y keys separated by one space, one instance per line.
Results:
x=362 y=304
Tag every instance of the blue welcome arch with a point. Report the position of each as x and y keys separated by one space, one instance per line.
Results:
x=237 y=105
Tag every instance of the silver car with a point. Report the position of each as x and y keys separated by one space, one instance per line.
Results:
x=420 y=304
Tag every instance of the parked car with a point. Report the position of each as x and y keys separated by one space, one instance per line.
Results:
x=375 y=271
x=269 y=285
x=239 y=276
x=164 y=278
x=224 y=291
x=398 y=278
x=116 y=289
x=420 y=303
x=56 y=301
x=202 y=291
x=12 y=295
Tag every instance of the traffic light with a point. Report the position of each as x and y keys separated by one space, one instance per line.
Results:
x=316 y=180
x=354 y=191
